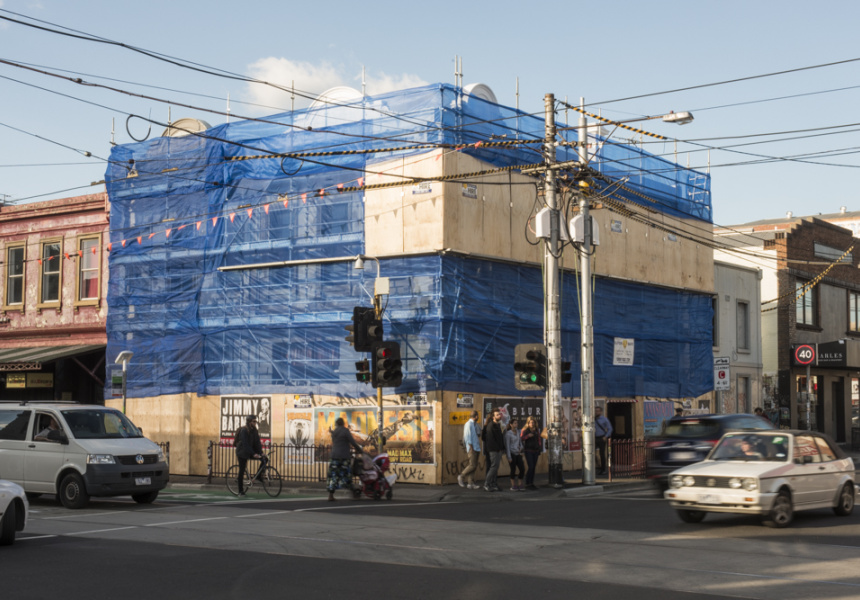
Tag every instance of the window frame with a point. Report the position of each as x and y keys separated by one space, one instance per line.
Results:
x=59 y=301
x=812 y=295
x=17 y=305
x=745 y=344
x=79 y=270
x=853 y=312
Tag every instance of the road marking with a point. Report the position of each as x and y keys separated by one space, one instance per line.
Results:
x=101 y=530
x=375 y=505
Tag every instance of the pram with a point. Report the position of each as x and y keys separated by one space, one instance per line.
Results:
x=371 y=473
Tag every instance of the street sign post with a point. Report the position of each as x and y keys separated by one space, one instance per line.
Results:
x=722 y=379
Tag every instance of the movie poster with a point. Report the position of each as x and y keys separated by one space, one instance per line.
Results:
x=572 y=424
x=408 y=430
x=517 y=408
x=235 y=409
x=298 y=436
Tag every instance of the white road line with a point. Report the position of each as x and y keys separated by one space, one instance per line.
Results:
x=101 y=530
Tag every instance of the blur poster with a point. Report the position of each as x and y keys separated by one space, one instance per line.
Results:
x=299 y=436
x=408 y=431
x=516 y=408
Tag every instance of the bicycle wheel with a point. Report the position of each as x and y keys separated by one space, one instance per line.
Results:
x=232 y=479
x=271 y=480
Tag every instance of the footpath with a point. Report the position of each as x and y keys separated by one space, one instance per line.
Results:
x=572 y=487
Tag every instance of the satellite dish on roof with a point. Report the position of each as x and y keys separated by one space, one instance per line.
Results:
x=341 y=94
x=479 y=90
x=185 y=126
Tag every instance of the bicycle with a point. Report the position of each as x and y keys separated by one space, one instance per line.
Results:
x=267 y=475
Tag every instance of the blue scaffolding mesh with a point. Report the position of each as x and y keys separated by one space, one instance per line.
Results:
x=181 y=207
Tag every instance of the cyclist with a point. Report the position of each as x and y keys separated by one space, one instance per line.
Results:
x=249 y=447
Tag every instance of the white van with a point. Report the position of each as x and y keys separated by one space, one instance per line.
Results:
x=76 y=451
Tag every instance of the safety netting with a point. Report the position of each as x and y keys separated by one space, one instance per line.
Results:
x=183 y=208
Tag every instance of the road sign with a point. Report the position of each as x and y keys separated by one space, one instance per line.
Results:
x=722 y=380
x=804 y=354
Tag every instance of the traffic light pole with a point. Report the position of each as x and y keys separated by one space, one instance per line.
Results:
x=377 y=306
x=552 y=307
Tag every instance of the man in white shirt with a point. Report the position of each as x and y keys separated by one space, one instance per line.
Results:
x=472 y=441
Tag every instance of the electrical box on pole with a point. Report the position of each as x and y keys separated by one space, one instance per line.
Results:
x=530 y=366
x=387 y=366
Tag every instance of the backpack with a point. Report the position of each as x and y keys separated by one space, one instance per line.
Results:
x=237 y=438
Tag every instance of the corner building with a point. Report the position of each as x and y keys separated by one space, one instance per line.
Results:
x=232 y=275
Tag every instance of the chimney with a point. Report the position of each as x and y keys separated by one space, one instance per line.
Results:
x=789 y=214
x=842 y=209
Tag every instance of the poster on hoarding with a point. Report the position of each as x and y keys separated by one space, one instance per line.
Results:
x=517 y=408
x=236 y=408
x=298 y=436
x=572 y=424
x=656 y=415
x=409 y=431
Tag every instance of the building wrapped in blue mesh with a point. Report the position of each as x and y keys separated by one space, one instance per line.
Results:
x=183 y=207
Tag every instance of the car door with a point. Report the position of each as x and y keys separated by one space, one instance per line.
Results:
x=832 y=469
x=807 y=473
x=14 y=425
x=44 y=457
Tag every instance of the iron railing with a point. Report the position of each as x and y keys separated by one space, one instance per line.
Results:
x=294 y=463
x=165 y=448
x=627 y=459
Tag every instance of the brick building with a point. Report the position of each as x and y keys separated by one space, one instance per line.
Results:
x=811 y=296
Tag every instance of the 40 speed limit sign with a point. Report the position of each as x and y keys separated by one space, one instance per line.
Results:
x=804 y=354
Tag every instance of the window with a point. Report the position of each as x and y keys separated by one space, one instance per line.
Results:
x=807 y=306
x=89 y=268
x=49 y=289
x=831 y=253
x=853 y=311
x=805 y=446
x=743 y=325
x=15 y=276
x=13 y=424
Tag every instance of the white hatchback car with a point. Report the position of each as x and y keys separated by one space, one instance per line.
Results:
x=766 y=473
x=13 y=511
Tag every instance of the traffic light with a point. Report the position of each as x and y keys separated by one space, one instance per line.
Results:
x=530 y=366
x=362 y=368
x=565 y=371
x=362 y=317
x=374 y=331
x=386 y=365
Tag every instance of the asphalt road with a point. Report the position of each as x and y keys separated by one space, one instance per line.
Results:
x=208 y=545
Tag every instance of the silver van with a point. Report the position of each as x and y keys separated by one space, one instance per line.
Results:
x=76 y=451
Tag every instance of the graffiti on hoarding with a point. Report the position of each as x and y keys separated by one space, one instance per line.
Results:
x=409 y=473
x=409 y=432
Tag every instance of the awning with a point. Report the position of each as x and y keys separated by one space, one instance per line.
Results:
x=31 y=359
x=614 y=400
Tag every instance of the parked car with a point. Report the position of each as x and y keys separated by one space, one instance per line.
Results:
x=768 y=473
x=77 y=451
x=689 y=439
x=14 y=511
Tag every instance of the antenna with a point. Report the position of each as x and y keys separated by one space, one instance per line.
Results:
x=293 y=96
x=363 y=81
x=228 y=107
x=112 y=131
x=517 y=94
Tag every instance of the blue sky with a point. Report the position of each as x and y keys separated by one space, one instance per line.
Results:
x=603 y=52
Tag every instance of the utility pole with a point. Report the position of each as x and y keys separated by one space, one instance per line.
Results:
x=552 y=316
x=586 y=355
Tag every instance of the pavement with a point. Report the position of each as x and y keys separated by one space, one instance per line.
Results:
x=572 y=487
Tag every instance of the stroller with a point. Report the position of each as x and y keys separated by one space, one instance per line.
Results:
x=371 y=472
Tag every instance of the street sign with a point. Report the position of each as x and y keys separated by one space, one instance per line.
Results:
x=722 y=380
x=804 y=354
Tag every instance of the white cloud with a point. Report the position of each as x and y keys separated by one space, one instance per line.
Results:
x=313 y=79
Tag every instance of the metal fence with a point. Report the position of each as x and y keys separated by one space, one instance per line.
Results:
x=294 y=463
x=627 y=459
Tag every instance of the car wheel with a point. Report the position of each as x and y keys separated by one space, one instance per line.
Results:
x=73 y=492
x=782 y=511
x=145 y=498
x=691 y=516
x=845 y=504
x=7 y=525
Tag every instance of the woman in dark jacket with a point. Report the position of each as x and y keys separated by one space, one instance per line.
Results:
x=532 y=448
x=487 y=420
x=339 y=472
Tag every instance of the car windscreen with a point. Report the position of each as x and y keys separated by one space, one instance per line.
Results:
x=751 y=447
x=693 y=428
x=98 y=424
